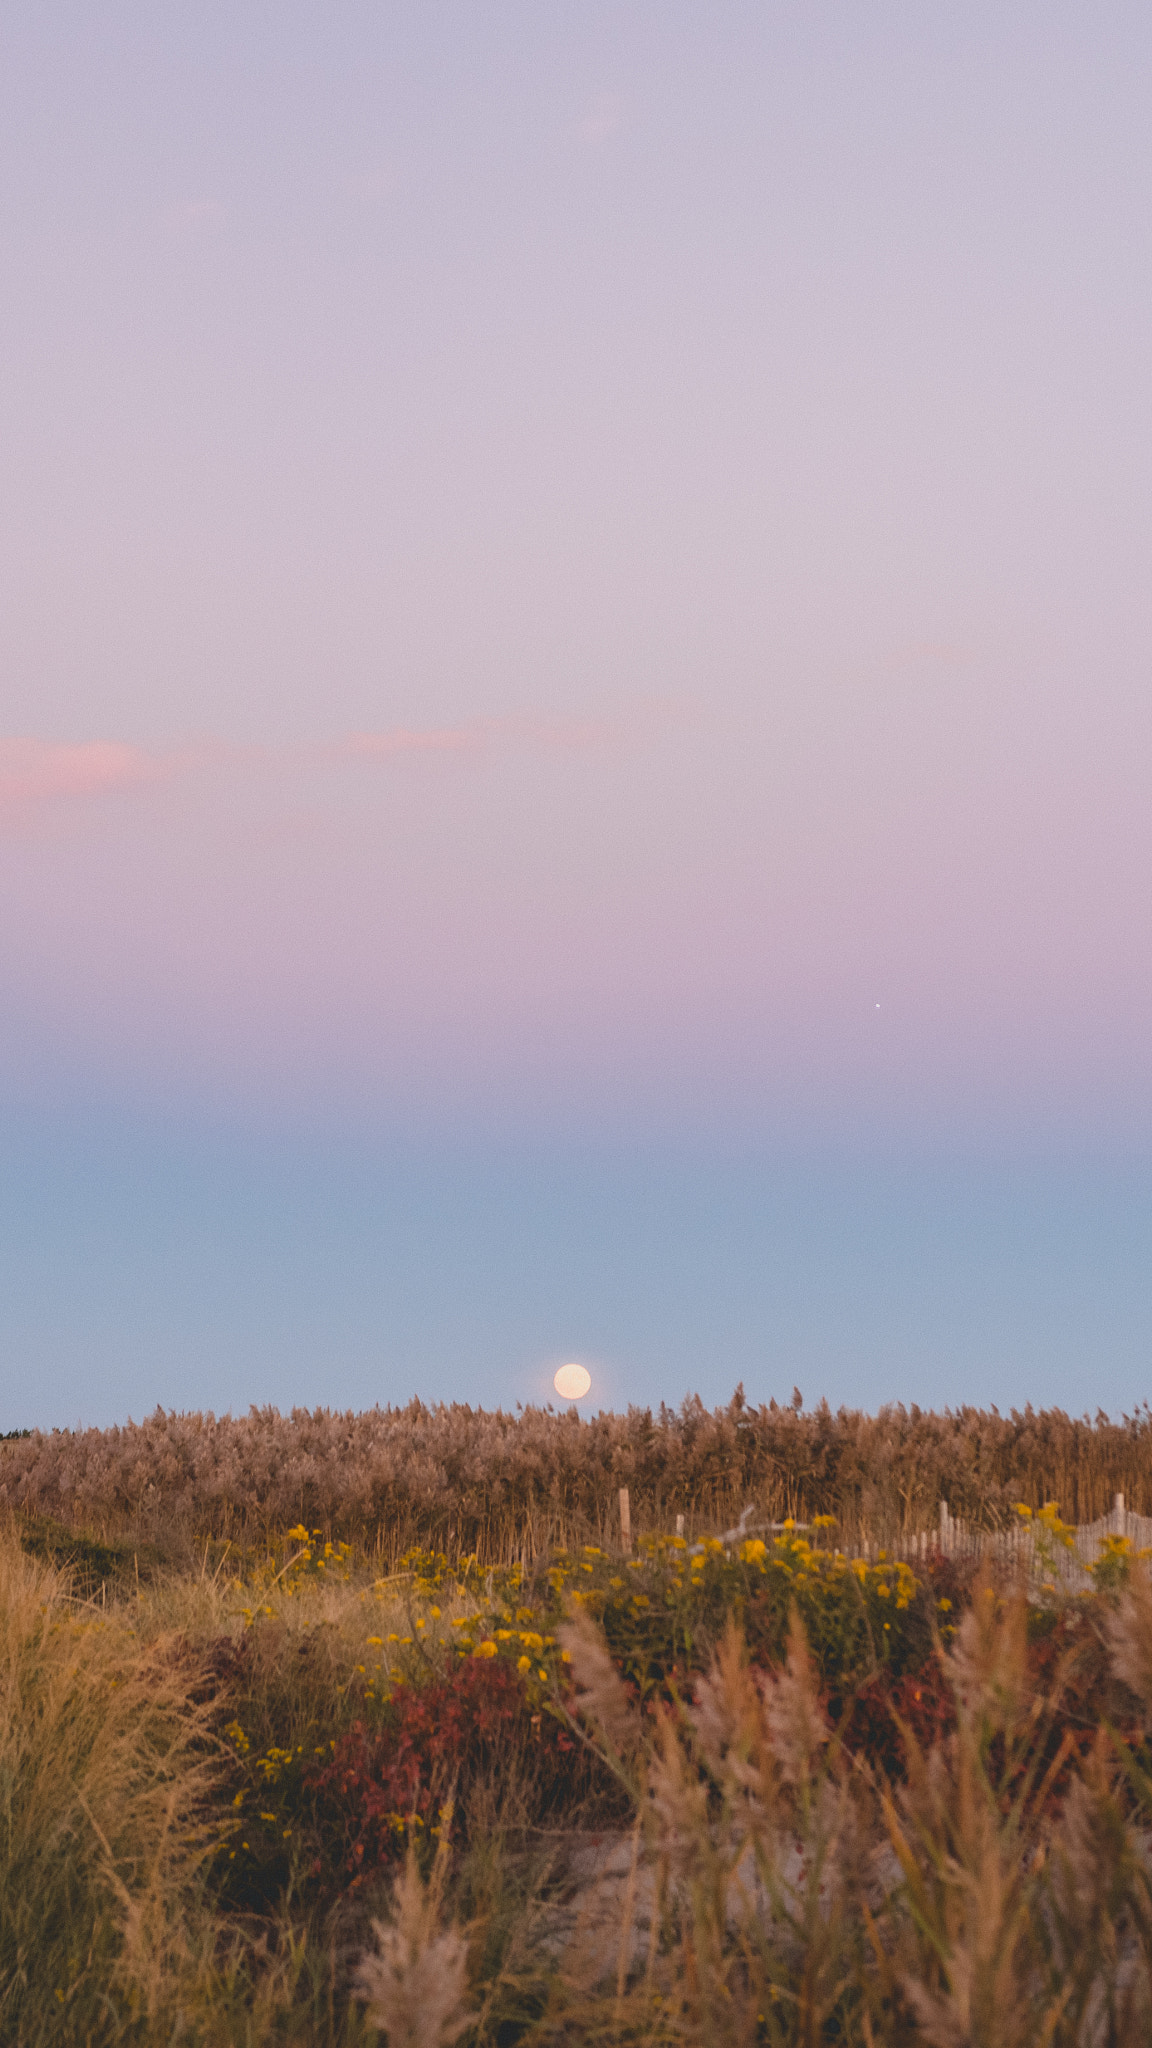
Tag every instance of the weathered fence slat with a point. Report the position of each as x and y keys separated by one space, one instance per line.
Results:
x=1071 y=1565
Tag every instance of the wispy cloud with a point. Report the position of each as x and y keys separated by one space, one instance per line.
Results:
x=34 y=772
x=397 y=740
x=558 y=735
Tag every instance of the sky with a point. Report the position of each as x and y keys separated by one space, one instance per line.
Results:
x=575 y=704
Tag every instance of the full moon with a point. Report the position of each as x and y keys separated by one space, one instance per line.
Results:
x=572 y=1382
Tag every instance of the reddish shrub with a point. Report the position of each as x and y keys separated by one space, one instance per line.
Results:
x=920 y=1701
x=1070 y=1669
x=475 y=1723
x=1069 y=1678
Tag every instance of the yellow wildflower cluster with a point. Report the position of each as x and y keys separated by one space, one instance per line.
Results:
x=275 y=1762
x=1113 y=1566
x=659 y=1623
x=532 y=1645
x=1047 y=1524
x=315 y=1560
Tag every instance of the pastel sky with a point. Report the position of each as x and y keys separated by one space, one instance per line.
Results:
x=575 y=619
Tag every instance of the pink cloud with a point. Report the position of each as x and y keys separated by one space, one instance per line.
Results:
x=35 y=771
x=561 y=735
x=385 y=746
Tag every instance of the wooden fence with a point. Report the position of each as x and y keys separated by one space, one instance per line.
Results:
x=1027 y=1544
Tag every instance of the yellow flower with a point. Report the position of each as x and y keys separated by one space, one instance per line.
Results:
x=523 y=1664
x=485 y=1649
x=1049 y=1519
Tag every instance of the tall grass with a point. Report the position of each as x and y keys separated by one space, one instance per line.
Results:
x=467 y=1481
x=781 y=1893
x=116 y=1790
x=761 y=1880
x=105 y=1776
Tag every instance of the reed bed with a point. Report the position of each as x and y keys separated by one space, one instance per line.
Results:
x=756 y=1794
x=473 y=1482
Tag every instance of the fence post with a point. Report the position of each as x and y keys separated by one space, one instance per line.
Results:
x=680 y=1525
x=625 y=1520
x=1118 y=1516
x=944 y=1526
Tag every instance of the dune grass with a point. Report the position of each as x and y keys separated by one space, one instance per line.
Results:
x=107 y=1776
x=747 y=1795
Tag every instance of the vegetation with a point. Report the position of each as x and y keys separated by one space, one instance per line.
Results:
x=466 y=1482
x=755 y=1791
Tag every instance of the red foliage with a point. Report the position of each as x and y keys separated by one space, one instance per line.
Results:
x=1069 y=1678
x=1069 y=1666
x=381 y=1782
x=921 y=1702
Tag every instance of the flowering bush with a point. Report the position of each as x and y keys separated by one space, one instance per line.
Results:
x=473 y=1671
x=664 y=1610
x=383 y=1784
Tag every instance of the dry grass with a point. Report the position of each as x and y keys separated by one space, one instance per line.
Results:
x=780 y=1893
x=106 y=1776
x=112 y=1781
x=413 y=1977
x=773 y=1889
x=465 y=1481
